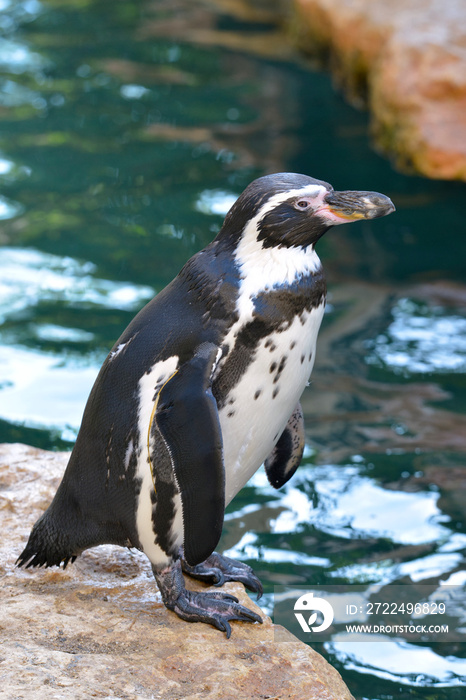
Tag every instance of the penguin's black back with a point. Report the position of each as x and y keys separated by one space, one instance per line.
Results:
x=97 y=498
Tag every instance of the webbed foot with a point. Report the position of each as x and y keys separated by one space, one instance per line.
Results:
x=212 y=607
x=217 y=569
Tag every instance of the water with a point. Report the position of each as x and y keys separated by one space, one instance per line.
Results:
x=126 y=131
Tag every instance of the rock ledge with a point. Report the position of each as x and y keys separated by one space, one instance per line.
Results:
x=408 y=58
x=99 y=629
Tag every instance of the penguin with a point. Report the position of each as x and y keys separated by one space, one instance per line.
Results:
x=200 y=390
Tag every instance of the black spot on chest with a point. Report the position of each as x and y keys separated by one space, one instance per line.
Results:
x=280 y=369
x=274 y=312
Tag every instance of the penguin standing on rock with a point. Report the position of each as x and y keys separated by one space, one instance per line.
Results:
x=200 y=390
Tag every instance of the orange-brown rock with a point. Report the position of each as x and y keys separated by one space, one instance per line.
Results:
x=407 y=58
x=99 y=628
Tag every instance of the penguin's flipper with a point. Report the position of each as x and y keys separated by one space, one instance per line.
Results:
x=286 y=456
x=187 y=418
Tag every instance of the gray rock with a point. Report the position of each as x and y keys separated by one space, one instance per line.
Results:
x=99 y=628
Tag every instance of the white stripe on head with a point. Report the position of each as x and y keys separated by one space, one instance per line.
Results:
x=264 y=269
x=317 y=192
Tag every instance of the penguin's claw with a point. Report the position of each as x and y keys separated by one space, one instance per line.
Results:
x=212 y=607
x=204 y=607
x=217 y=569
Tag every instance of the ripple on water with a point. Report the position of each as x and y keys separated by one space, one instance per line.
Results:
x=38 y=390
x=46 y=389
x=350 y=504
x=400 y=662
x=347 y=505
x=29 y=277
x=8 y=208
x=354 y=505
x=421 y=339
x=215 y=202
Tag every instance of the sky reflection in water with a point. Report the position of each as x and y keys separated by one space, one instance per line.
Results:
x=421 y=339
x=401 y=662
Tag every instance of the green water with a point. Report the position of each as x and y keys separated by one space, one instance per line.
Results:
x=126 y=131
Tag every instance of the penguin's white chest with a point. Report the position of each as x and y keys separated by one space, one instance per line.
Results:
x=257 y=409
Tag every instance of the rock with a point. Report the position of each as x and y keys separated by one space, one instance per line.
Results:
x=408 y=59
x=99 y=629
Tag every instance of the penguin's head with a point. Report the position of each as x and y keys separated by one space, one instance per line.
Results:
x=291 y=210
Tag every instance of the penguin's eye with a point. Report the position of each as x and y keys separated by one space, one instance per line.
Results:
x=302 y=204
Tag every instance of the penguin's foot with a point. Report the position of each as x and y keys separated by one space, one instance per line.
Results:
x=217 y=569
x=212 y=607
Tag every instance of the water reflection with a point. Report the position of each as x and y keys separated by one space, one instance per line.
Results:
x=401 y=662
x=46 y=384
x=390 y=385
x=29 y=277
x=39 y=390
x=15 y=95
x=9 y=209
x=342 y=502
x=215 y=202
x=420 y=339
x=353 y=505
x=401 y=537
x=249 y=548
x=18 y=58
x=133 y=92
x=10 y=172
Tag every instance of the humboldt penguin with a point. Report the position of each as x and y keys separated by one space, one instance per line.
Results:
x=200 y=390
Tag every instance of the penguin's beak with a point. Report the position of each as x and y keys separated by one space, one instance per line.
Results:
x=342 y=207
